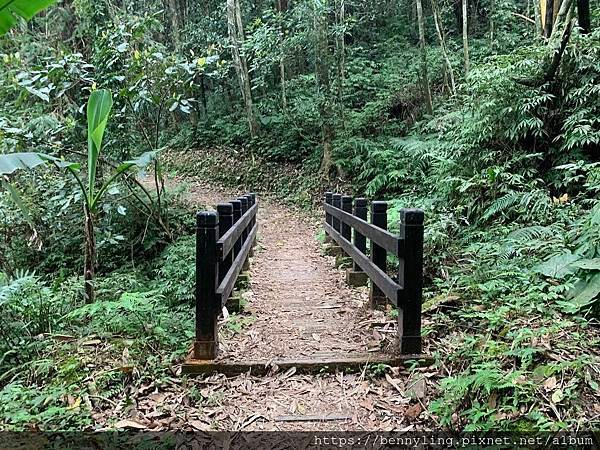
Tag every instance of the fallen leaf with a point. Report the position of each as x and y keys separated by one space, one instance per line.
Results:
x=414 y=411
x=126 y=423
x=557 y=396
x=394 y=383
x=416 y=388
x=367 y=403
x=550 y=384
x=74 y=403
x=199 y=425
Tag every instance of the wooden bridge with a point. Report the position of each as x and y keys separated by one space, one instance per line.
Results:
x=225 y=242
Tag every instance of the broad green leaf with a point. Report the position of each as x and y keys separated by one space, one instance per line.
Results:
x=16 y=197
x=144 y=160
x=558 y=266
x=98 y=110
x=10 y=10
x=588 y=293
x=12 y=162
x=588 y=264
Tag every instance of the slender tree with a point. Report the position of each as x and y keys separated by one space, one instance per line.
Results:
x=282 y=8
x=340 y=46
x=174 y=13
x=423 y=51
x=539 y=29
x=236 y=37
x=442 y=40
x=583 y=14
x=547 y=16
x=465 y=34
x=322 y=65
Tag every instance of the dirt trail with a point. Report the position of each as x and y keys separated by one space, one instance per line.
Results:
x=299 y=305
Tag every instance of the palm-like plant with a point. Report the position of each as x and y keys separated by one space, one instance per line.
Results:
x=98 y=110
x=10 y=10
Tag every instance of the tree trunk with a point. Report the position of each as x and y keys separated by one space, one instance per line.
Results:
x=236 y=35
x=340 y=48
x=442 y=39
x=548 y=16
x=322 y=64
x=282 y=7
x=583 y=14
x=492 y=11
x=539 y=29
x=561 y=16
x=423 y=51
x=89 y=264
x=173 y=12
x=465 y=33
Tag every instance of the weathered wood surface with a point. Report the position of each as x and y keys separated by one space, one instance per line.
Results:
x=226 y=286
x=316 y=363
x=382 y=237
x=380 y=278
x=226 y=242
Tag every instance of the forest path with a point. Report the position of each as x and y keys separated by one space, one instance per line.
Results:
x=298 y=305
x=301 y=305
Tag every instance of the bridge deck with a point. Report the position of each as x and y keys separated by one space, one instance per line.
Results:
x=300 y=312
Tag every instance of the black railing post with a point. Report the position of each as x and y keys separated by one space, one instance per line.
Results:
x=245 y=207
x=347 y=207
x=244 y=201
x=378 y=254
x=410 y=276
x=251 y=223
x=252 y=200
x=207 y=275
x=225 y=211
x=360 y=241
x=237 y=213
x=255 y=220
x=337 y=203
x=329 y=201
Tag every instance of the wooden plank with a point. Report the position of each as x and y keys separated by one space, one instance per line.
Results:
x=383 y=281
x=228 y=240
x=381 y=237
x=314 y=417
x=226 y=286
x=318 y=363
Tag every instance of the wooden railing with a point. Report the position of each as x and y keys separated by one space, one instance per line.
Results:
x=224 y=242
x=347 y=225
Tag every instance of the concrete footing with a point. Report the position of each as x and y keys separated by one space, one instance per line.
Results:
x=332 y=249
x=355 y=278
x=234 y=302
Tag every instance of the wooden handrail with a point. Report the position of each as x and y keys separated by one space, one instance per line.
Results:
x=224 y=290
x=348 y=229
x=227 y=241
x=219 y=262
x=389 y=287
x=383 y=238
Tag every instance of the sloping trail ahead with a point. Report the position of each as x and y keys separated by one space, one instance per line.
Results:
x=300 y=306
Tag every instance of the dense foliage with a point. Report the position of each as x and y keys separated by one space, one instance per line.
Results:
x=307 y=97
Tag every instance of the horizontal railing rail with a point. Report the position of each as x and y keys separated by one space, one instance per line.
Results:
x=383 y=238
x=224 y=244
x=346 y=225
x=383 y=281
x=224 y=290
